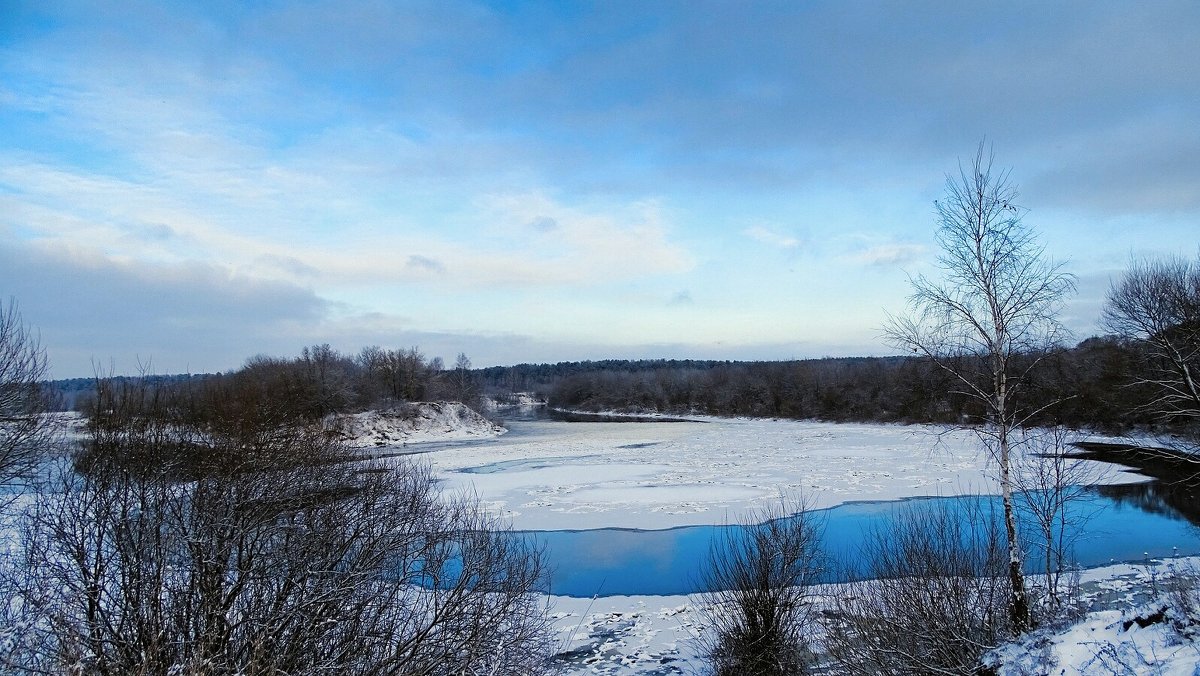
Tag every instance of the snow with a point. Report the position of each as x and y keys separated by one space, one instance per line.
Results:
x=1133 y=627
x=415 y=423
x=644 y=635
x=560 y=476
x=625 y=634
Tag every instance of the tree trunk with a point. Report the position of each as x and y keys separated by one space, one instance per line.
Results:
x=1019 y=605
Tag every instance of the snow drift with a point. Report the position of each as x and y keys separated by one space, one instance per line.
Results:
x=416 y=422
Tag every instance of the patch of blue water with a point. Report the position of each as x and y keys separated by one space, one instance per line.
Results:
x=1110 y=527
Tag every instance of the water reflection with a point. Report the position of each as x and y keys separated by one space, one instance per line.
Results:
x=1176 y=489
x=1156 y=498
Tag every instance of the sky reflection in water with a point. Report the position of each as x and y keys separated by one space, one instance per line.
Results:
x=1120 y=523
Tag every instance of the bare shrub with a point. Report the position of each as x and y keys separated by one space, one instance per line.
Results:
x=1052 y=483
x=930 y=595
x=274 y=554
x=758 y=613
x=24 y=427
x=1182 y=596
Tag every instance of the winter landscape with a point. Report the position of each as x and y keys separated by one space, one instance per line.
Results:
x=555 y=475
x=521 y=338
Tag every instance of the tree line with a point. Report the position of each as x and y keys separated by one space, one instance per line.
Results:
x=318 y=382
x=1093 y=385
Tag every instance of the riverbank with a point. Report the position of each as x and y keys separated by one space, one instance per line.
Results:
x=656 y=635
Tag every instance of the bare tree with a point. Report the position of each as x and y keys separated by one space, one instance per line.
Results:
x=758 y=611
x=221 y=542
x=326 y=373
x=1158 y=304
x=462 y=384
x=399 y=375
x=25 y=432
x=1052 y=485
x=988 y=320
x=24 y=427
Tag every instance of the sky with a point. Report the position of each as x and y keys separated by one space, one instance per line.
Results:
x=186 y=185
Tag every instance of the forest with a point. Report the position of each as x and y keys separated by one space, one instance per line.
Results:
x=1093 y=385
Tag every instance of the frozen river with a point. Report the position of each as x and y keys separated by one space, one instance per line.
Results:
x=550 y=475
x=632 y=507
x=627 y=510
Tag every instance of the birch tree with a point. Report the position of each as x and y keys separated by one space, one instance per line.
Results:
x=462 y=383
x=987 y=320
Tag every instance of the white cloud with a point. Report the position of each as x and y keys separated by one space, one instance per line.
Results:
x=290 y=266
x=543 y=224
x=592 y=245
x=192 y=316
x=424 y=264
x=771 y=237
x=889 y=254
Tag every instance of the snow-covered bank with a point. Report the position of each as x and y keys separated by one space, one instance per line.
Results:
x=562 y=476
x=645 y=635
x=626 y=634
x=416 y=422
x=1134 y=625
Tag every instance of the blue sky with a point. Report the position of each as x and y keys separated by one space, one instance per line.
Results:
x=185 y=185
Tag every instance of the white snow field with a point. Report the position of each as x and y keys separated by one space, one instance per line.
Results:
x=566 y=476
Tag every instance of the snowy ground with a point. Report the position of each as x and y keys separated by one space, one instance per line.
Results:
x=657 y=634
x=1134 y=626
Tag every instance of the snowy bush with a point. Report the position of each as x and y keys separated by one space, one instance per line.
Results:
x=758 y=615
x=1182 y=597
